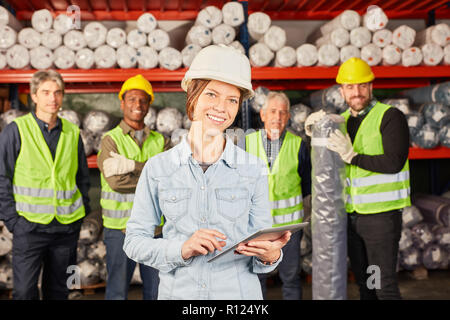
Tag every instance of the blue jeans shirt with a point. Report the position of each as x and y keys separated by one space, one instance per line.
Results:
x=231 y=197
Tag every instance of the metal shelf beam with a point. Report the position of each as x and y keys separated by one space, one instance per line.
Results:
x=187 y=10
x=294 y=78
x=263 y=73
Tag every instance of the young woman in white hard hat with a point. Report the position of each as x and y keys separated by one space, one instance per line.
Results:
x=209 y=192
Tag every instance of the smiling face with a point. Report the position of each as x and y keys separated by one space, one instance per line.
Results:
x=357 y=96
x=135 y=105
x=48 y=98
x=217 y=106
x=275 y=117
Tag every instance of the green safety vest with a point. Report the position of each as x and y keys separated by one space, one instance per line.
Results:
x=116 y=207
x=45 y=188
x=372 y=192
x=285 y=191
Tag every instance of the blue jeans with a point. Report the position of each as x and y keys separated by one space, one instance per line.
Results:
x=288 y=270
x=120 y=270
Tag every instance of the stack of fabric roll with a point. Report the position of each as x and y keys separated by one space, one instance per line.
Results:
x=367 y=37
x=342 y=36
x=425 y=239
x=299 y=113
x=214 y=26
x=91 y=251
x=95 y=124
x=306 y=248
x=92 y=127
x=168 y=121
x=427 y=111
x=347 y=35
x=429 y=116
x=8 y=116
x=328 y=99
x=6 y=272
x=258 y=101
x=268 y=43
x=57 y=43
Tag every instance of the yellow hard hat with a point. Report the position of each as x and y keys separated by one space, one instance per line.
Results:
x=354 y=70
x=137 y=82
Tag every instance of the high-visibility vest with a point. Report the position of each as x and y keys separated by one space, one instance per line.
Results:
x=285 y=191
x=372 y=192
x=45 y=188
x=116 y=207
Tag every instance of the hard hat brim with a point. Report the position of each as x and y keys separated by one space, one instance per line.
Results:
x=369 y=78
x=248 y=92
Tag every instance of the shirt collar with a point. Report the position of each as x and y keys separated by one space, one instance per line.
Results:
x=227 y=156
x=366 y=110
x=44 y=125
x=264 y=135
x=126 y=129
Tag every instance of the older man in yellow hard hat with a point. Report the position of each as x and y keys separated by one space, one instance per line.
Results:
x=122 y=156
x=375 y=149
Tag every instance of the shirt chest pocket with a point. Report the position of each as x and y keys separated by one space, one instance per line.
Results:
x=174 y=202
x=232 y=202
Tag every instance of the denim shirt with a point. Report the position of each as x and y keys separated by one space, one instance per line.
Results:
x=230 y=197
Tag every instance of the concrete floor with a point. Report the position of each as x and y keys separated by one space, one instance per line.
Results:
x=436 y=287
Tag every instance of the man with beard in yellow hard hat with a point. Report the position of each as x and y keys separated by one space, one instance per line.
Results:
x=375 y=149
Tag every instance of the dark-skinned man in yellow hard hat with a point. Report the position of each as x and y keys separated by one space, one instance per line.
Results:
x=122 y=156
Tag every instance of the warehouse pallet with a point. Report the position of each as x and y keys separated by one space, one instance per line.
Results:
x=84 y=290
x=90 y=290
x=5 y=294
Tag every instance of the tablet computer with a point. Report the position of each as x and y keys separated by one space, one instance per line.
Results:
x=263 y=234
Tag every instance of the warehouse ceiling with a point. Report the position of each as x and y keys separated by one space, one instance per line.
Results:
x=187 y=10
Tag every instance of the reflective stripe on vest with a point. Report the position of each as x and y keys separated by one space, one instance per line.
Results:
x=379 y=197
x=380 y=179
x=43 y=193
x=294 y=217
x=44 y=187
x=116 y=214
x=285 y=193
x=116 y=207
x=286 y=203
x=371 y=192
x=120 y=197
x=48 y=209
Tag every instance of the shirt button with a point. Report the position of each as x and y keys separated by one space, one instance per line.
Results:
x=232 y=197
x=174 y=198
x=202 y=187
x=203 y=285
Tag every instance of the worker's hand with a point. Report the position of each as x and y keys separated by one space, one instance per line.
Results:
x=342 y=145
x=202 y=242
x=117 y=164
x=312 y=119
x=265 y=250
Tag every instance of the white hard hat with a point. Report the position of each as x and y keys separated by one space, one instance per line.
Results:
x=222 y=63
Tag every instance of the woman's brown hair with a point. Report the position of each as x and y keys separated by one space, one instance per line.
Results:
x=195 y=88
